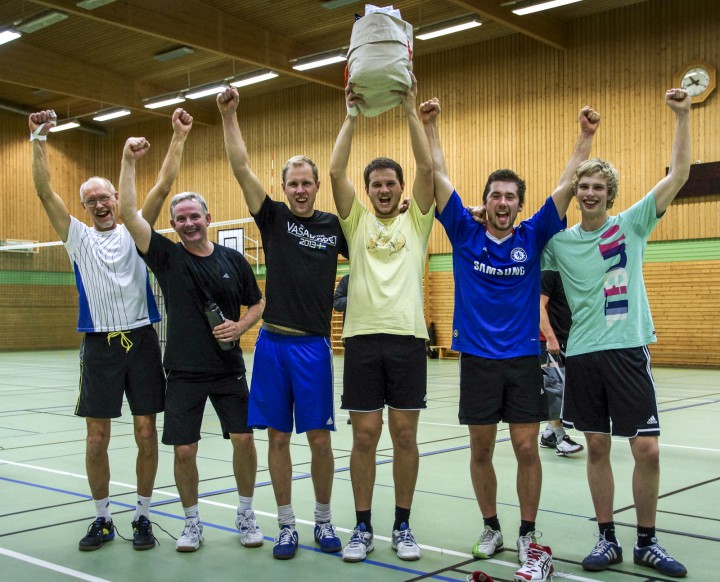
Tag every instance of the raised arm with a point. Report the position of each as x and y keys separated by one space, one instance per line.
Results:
x=667 y=188
x=54 y=206
x=139 y=228
x=254 y=193
x=182 y=124
x=429 y=112
x=423 y=187
x=342 y=188
x=589 y=121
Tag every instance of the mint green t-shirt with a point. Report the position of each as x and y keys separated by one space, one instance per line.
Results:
x=602 y=272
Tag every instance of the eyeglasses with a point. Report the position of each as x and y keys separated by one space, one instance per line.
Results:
x=92 y=202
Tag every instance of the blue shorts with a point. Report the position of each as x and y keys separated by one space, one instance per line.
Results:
x=292 y=373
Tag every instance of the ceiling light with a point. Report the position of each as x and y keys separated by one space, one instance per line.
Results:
x=41 y=21
x=542 y=6
x=205 y=90
x=448 y=27
x=65 y=125
x=315 y=61
x=252 y=78
x=8 y=34
x=93 y=4
x=164 y=101
x=175 y=53
x=333 y=4
x=109 y=114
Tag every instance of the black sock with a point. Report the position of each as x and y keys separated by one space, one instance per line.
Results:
x=645 y=536
x=526 y=527
x=493 y=522
x=364 y=517
x=402 y=515
x=607 y=530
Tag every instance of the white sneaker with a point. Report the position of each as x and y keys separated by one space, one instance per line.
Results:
x=523 y=543
x=489 y=544
x=191 y=538
x=359 y=546
x=404 y=544
x=537 y=567
x=250 y=534
x=567 y=446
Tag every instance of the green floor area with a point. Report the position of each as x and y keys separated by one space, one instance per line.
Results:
x=45 y=505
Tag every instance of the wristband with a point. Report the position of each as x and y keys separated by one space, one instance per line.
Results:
x=35 y=135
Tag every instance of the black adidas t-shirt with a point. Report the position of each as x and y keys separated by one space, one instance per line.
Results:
x=301 y=259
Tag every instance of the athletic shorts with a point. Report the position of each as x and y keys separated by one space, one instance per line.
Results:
x=292 y=373
x=611 y=392
x=384 y=369
x=185 y=400
x=509 y=390
x=129 y=364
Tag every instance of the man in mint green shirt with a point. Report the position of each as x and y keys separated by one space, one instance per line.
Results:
x=609 y=387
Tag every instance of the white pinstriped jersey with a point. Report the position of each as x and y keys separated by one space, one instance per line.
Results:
x=112 y=280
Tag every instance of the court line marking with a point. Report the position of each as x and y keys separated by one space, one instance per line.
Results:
x=51 y=566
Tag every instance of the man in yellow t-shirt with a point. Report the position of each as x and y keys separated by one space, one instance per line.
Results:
x=384 y=331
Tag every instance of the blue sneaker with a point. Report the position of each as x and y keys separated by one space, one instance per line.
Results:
x=99 y=532
x=327 y=538
x=286 y=543
x=655 y=556
x=602 y=556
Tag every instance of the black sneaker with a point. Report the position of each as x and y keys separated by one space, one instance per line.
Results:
x=143 y=538
x=99 y=532
x=549 y=441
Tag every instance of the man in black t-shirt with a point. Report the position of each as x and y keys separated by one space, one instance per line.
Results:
x=194 y=274
x=293 y=375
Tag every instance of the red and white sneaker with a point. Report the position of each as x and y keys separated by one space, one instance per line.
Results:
x=537 y=567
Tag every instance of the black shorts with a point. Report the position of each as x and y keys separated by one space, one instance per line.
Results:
x=185 y=400
x=108 y=370
x=611 y=392
x=384 y=369
x=508 y=390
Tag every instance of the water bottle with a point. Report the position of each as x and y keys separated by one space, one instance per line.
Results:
x=215 y=317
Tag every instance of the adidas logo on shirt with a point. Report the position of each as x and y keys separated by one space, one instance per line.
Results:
x=652 y=420
x=226 y=276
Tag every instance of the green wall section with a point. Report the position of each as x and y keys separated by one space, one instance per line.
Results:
x=657 y=252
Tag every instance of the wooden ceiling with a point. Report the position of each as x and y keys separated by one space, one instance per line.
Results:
x=104 y=57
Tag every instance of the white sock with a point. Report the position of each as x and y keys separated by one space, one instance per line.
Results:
x=244 y=503
x=102 y=508
x=142 y=507
x=559 y=432
x=322 y=512
x=191 y=513
x=286 y=516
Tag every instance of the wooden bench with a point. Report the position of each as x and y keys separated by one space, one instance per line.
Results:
x=445 y=352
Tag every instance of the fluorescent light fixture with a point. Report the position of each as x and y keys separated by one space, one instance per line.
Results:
x=8 y=34
x=109 y=114
x=65 y=125
x=322 y=60
x=542 y=6
x=93 y=4
x=333 y=4
x=175 y=53
x=205 y=90
x=41 y=21
x=164 y=101
x=252 y=78
x=448 y=27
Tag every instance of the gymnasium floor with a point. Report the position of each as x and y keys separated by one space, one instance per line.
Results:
x=45 y=507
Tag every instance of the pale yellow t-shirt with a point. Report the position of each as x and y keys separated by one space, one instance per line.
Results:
x=387 y=264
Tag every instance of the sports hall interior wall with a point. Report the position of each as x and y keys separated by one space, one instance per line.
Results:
x=510 y=102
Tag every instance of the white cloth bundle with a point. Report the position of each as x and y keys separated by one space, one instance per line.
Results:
x=380 y=61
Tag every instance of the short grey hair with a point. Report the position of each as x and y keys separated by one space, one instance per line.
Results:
x=194 y=196
x=86 y=184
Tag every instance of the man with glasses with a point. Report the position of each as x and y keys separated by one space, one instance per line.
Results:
x=120 y=353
